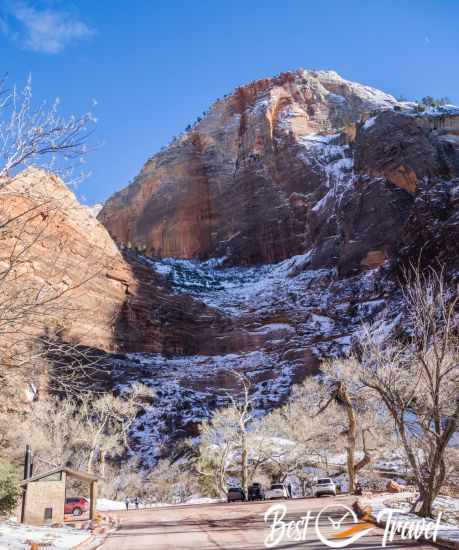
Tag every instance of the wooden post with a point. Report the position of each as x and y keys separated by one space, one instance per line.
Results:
x=93 y=500
x=23 y=505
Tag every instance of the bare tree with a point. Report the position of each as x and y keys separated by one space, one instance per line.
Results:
x=418 y=380
x=242 y=409
x=36 y=136
x=53 y=430
x=291 y=439
x=217 y=449
x=124 y=479
x=344 y=389
x=330 y=412
x=170 y=482
x=106 y=421
x=80 y=433
x=225 y=439
x=320 y=434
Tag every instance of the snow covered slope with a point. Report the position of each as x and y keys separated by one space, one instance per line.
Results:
x=290 y=317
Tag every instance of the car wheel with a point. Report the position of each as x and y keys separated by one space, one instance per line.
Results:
x=77 y=511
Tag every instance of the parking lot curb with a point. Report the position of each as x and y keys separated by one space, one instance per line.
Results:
x=99 y=535
x=83 y=544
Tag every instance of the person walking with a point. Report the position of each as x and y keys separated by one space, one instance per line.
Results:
x=126 y=501
x=136 y=502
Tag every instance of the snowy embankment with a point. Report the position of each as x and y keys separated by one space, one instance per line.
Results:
x=106 y=505
x=16 y=536
x=398 y=506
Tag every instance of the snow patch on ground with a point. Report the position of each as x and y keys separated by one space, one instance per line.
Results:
x=318 y=138
x=107 y=505
x=18 y=536
x=399 y=504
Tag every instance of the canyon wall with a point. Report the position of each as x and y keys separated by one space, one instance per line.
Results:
x=62 y=274
x=302 y=161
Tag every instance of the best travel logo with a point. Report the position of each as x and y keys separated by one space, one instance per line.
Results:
x=337 y=526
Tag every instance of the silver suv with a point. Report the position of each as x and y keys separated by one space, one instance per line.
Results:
x=324 y=486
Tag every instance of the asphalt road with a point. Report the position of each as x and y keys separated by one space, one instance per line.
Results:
x=241 y=526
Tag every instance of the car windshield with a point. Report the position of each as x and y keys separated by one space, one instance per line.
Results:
x=278 y=486
x=234 y=490
x=324 y=481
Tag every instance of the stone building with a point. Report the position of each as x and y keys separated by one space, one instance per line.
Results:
x=44 y=495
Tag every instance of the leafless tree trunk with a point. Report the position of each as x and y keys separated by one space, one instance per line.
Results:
x=243 y=408
x=351 y=437
x=225 y=440
x=418 y=381
x=342 y=395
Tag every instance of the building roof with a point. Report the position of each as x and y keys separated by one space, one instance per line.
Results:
x=78 y=474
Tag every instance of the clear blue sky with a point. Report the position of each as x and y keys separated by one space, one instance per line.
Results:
x=154 y=65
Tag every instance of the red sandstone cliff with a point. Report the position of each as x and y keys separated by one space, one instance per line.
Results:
x=63 y=264
x=62 y=273
x=264 y=174
x=251 y=179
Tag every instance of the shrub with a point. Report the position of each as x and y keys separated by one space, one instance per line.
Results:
x=9 y=488
x=430 y=101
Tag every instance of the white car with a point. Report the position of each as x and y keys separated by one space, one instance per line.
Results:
x=278 y=490
x=324 y=486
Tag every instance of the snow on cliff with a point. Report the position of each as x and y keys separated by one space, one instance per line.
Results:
x=322 y=317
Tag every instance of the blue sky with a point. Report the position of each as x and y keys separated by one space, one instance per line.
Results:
x=154 y=65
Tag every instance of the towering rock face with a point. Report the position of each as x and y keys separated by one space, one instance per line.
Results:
x=283 y=165
x=241 y=181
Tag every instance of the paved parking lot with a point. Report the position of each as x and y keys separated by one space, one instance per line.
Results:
x=239 y=526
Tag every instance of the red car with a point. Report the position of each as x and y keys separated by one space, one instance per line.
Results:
x=76 y=505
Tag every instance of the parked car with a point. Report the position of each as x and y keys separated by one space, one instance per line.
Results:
x=76 y=505
x=278 y=490
x=236 y=494
x=324 y=486
x=256 y=492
